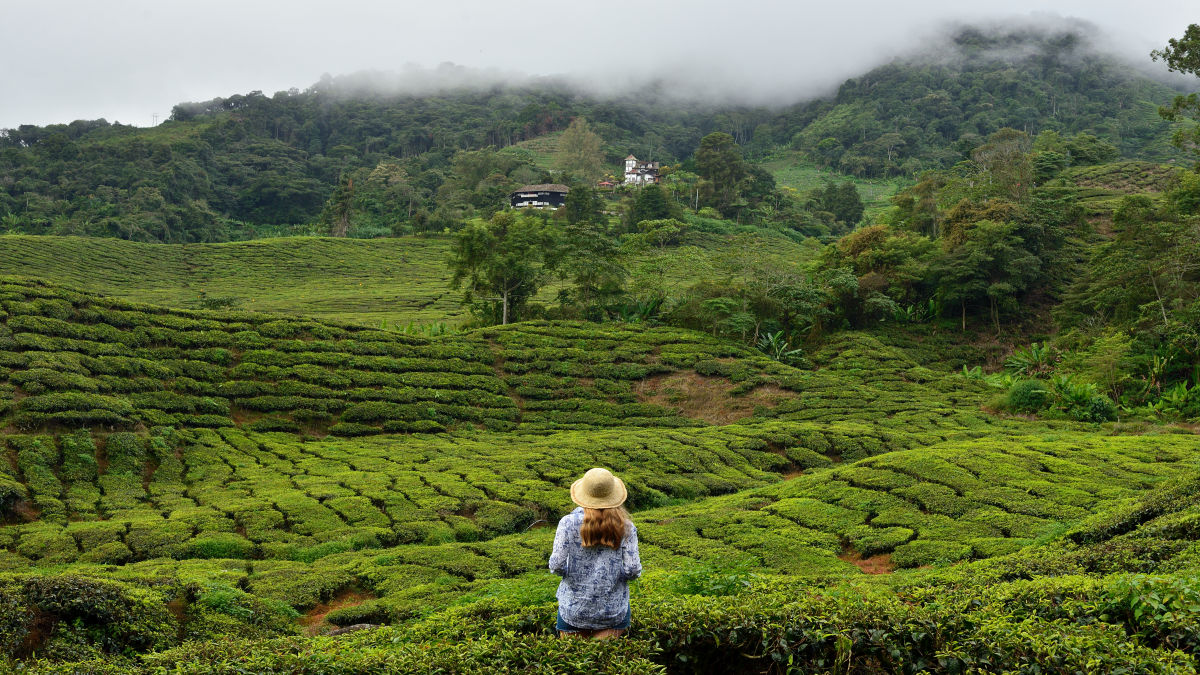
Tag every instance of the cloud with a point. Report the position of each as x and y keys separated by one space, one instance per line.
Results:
x=68 y=59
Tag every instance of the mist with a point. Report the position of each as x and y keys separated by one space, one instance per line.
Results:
x=132 y=61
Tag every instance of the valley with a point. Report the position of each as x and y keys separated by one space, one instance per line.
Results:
x=900 y=379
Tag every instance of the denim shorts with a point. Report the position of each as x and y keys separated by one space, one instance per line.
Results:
x=564 y=627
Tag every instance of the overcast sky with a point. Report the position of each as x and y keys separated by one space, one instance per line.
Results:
x=126 y=60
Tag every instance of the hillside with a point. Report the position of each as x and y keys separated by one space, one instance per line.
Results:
x=390 y=282
x=795 y=170
x=368 y=282
x=250 y=164
x=905 y=380
x=72 y=359
x=230 y=477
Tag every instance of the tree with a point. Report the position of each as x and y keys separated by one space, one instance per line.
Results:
x=1182 y=55
x=1004 y=161
x=650 y=203
x=501 y=264
x=992 y=265
x=684 y=186
x=579 y=151
x=1086 y=149
x=339 y=207
x=719 y=162
x=583 y=205
x=843 y=201
x=589 y=256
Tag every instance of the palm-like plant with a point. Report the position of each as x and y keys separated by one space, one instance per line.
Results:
x=1033 y=360
x=778 y=348
x=1071 y=393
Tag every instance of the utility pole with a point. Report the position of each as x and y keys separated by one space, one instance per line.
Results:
x=155 y=118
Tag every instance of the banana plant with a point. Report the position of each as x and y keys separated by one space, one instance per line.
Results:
x=778 y=348
x=1033 y=360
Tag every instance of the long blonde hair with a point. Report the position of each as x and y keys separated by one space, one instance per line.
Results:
x=603 y=527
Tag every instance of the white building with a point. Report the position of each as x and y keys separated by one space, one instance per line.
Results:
x=638 y=172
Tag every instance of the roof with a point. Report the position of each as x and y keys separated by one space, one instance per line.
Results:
x=631 y=157
x=544 y=187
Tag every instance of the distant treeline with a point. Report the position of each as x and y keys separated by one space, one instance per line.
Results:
x=231 y=167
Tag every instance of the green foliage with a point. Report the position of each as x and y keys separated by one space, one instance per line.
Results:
x=775 y=346
x=1163 y=610
x=501 y=265
x=1183 y=55
x=366 y=612
x=1032 y=361
x=650 y=202
x=715 y=578
x=110 y=616
x=843 y=201
x=1029 y=396
x=579 y=151
x=272 y=615
x=377 y=165
x=719 y=162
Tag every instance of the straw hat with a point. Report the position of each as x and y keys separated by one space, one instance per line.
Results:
x=598 y=489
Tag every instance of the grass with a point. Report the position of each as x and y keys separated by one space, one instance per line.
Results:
x=792 y=169
x=540 y=150
x=364 y=281
x=375 y=282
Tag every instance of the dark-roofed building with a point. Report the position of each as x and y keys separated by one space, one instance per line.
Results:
x=544 y=196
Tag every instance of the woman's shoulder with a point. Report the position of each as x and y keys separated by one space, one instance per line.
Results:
x=573 y=517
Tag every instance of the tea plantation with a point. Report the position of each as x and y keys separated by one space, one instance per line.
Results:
x=213 y=491
x=373 y=282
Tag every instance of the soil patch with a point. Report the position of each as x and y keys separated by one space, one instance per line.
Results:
x=876 y=564
x=25 y=511
x=39 y=631
x=102 y=455
x=242 y=417
x=706 y=398
x=313 y=621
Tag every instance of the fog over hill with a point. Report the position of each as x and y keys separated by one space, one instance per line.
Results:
x=83 y=61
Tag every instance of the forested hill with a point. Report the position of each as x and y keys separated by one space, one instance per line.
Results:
x=930 y=111
x=220 y=167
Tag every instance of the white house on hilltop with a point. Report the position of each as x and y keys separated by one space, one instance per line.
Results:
x=638 y=172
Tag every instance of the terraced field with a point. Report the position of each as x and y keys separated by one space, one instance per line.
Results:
x=361 y=281
x=794 y=170
x=1099 y=189
x=369 y=282
x=217 y=485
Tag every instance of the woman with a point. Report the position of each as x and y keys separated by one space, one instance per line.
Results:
x=596 y=554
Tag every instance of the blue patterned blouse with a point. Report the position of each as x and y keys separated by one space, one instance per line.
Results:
x=594 y=592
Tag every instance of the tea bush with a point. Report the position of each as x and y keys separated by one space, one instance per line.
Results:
x=235 y=468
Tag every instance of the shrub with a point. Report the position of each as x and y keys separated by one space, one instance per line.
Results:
x=1099 y=408
x=274 y=424
x=1164 y=610
x=925 y=552
x=715 y=578
x=117 y=617
x=350 y=429
x=1028 y=396
x=270 y=616
x=367 y=612
x=112 y=553
x=219 y=545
